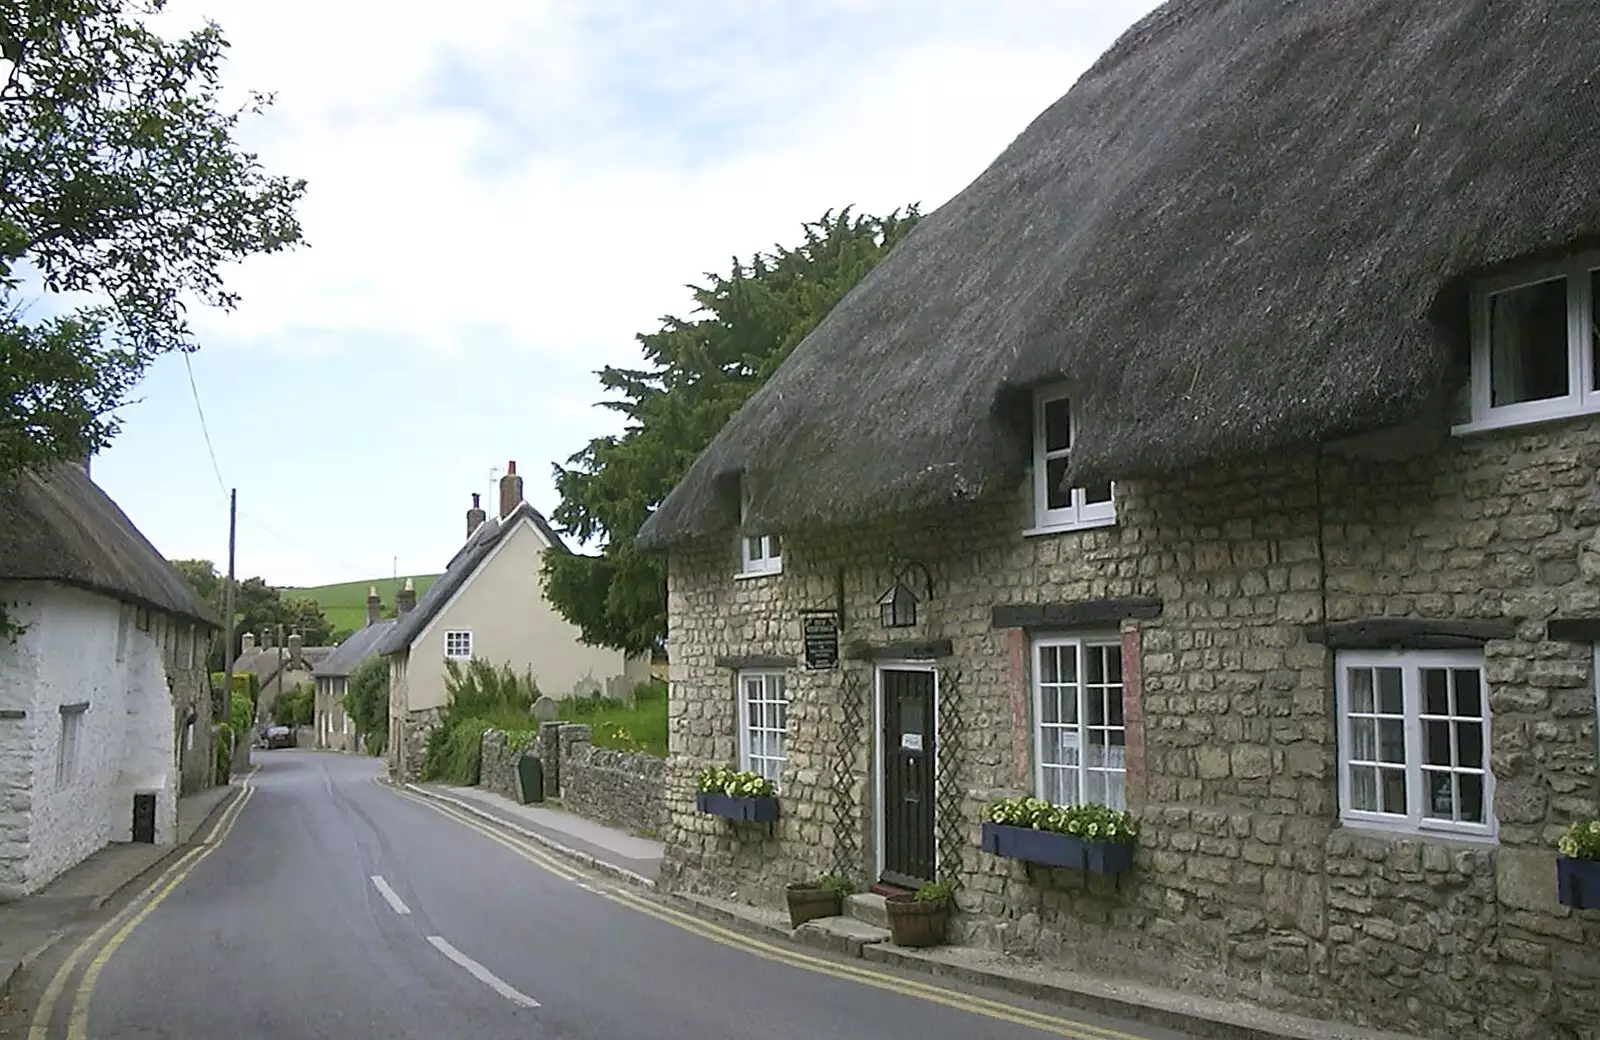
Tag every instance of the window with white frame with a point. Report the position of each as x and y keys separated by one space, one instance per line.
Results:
x=1534 y=341
x=1414 y=741
x=1079 y=735
x=458 y=645
x=758 y=554
x=1057 y=507
x=67 y=747
x=763 y=723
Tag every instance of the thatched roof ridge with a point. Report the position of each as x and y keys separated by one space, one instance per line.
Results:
x=1247 y=226
x=58 y=525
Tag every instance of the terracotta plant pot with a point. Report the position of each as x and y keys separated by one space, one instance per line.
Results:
x=808 y=902
x=916 y=924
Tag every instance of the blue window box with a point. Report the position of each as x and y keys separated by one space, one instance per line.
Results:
x=1578 y=882
x=1054 y=849
x=743 y=810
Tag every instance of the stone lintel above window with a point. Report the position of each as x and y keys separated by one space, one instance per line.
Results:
x=915 y=650
x=1409 y=633
x=1085 y=613
x=756 y=661
x=1573 y=630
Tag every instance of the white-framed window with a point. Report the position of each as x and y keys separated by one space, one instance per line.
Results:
x=1056 y=507
x=458 y=645
x=758 y=554
x=67 y=747
x=1080 y=738
x=1414 y=741
x=1534 y=341
x=763 y=723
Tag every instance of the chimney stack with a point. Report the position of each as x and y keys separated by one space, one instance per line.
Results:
x=475 y=516
x=510 y=490
x=374 y=605
x=247 y=642
x=266 y=638
x=406 y=600
x=294 y=651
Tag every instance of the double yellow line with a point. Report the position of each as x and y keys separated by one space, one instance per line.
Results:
x=119 y=928
x=785 y=955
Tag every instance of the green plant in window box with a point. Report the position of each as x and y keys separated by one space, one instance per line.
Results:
x=1578 y=866
x=737 y=794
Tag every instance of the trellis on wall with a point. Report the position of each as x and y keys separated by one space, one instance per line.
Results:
x=947 y=794
x=852 y=730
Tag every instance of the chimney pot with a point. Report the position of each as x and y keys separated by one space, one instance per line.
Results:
x=406 y=600
x=475 y=516
x=374 y=605
x=510 y=490
x=247 y=642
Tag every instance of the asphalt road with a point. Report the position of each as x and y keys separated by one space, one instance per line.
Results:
x=280 y=930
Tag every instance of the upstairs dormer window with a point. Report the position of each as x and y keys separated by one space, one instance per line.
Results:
x=758 y=554
x=1057 y=507
x=1534 y=340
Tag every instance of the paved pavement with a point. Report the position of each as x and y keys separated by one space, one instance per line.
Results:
x=337 y=906
x=30 y=926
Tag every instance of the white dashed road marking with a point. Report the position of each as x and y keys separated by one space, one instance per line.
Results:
x=390 y=895
x=482 y=974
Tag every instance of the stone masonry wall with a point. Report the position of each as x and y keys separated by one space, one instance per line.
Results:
x=614 y=787
x=1247 y=884
x=501 y=752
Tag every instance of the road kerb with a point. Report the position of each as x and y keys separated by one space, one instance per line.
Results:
x=583 y=859
x=32 y=956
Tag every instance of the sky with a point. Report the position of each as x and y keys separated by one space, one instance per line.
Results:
x=501 y=195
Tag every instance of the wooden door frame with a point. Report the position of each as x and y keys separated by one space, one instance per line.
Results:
x=880 y=816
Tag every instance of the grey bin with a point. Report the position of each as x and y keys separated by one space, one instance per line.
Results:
x=530 y=779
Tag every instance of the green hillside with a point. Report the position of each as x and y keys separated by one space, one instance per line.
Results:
x=346 y=604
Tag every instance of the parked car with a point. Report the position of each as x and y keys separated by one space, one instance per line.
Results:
x=280 y=737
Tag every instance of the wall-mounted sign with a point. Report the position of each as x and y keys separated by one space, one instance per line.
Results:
x=911 y=741
x=821 y=632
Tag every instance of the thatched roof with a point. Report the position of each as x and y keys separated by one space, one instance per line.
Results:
x=57 y=525
x=477 y=548
x=355 y=650
x=1245 y=227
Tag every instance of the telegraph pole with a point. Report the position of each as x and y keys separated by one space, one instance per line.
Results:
x=227 y=612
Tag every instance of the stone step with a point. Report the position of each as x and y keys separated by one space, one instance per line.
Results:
x=840 y=934
x=867 y=907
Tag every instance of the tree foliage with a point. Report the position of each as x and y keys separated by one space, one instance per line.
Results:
x=257 y=607
x=480 y=696
x=366 y=701
x=298 y=707
x=120 y=180
x=700 y=370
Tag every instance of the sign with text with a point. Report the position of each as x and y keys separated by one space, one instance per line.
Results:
x=821 y=633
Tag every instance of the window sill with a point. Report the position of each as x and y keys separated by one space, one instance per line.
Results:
x=747 y=575
x=1395 y=831
x=1538 y=417
x=1087 y=525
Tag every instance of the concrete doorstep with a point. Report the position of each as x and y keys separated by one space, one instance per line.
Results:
x=31 y=926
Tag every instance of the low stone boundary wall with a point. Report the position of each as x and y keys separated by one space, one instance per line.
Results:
x=612 y=787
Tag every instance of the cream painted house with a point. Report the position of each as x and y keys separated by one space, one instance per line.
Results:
x=490 y=604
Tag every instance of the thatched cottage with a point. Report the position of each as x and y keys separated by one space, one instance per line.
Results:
x=1233 y=441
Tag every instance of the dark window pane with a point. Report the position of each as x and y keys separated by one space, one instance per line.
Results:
x=1391 y=698
x=1095 y=701
x=774 y=546
x=1049 y=664
x=1113 y=663
x=1096 y=664
x=1469 y=743
x=1093 y=493
x=1440 y=795
x=1471 y=797
x=1057 y=425
x=1363 y=740
x=1056 y=493
x=1364 y=788
x=1435 y=691
x=1469 y=693
x=1114 y=706
x=1392 y=740
x=1528 y=343
x=1394 y=790
x=1436 y=737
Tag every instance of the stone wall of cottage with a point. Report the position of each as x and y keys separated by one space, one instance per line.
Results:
x=619 y=788
x=1247 y=885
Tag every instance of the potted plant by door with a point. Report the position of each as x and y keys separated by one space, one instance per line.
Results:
x=1578 y=866
x=919 y=918
x=823 y=897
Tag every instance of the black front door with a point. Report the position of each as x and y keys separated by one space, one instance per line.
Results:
x=908 y=762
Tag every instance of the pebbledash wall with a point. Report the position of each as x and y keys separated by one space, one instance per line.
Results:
x=84 y=654
x=1247 y=885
